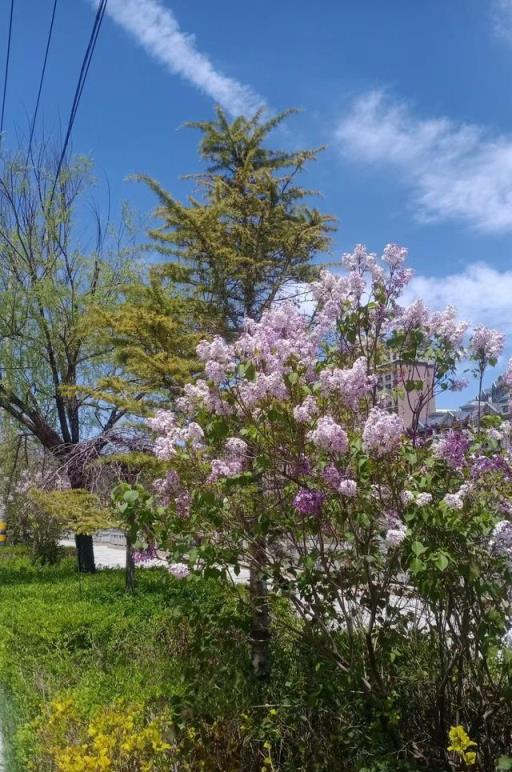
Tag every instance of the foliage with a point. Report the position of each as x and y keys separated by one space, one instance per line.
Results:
x=176 y=654
x=153 y=332
x=460 y=742
x=49 y=284
x=74 y=509
x=290 y=460
x=250 y=233
x=116 y=738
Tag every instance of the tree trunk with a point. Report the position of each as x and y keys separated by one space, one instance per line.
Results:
x=260 y=613
x=85 y=553
x=130 y=566
x=84 y=543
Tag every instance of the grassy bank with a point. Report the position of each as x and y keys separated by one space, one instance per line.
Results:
x=70 y=648
x=92 y=679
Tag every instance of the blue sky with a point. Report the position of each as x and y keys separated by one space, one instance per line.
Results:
x=410 y=98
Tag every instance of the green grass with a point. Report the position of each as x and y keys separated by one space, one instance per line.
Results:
x=85 y=638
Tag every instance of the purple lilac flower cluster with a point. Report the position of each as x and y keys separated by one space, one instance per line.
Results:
x=308 y=502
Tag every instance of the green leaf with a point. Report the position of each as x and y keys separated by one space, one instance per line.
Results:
x=417 y=565
x=131 y=496
x=418 y=548
x=441 y=561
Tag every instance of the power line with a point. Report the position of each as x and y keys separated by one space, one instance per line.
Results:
x=86 y=63
x=41 y=80
x=7 y=58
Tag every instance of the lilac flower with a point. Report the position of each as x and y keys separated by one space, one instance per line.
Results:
x=308 y=502
x=453 y=501
x=306 y=411
x=394 y=255
x=507 y=639
x=166 y=486
x=407 y=497
x=332 y=476
x=164 y=421
x=485 y=464
x=451 y=448
x=395 y=536
x=146 y=555
x=350 y=384
x=423 y=499
x=382 y=433
x=182 y=503
x=224 y=467
x=414 y=316
x=444 y=324
x=179 y=570
x=391 y=520
x=348 y=488
x=501 y=539
x=234 y=461
x=486 y=344
x=219 y=358
x=329 y=435
x=236 y=448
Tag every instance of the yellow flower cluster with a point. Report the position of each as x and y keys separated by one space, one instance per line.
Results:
x=459 y=744
x=116 y=739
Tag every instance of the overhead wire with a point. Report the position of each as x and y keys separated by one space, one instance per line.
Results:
x=6 y=72
x=41 y=80
x=84 y=70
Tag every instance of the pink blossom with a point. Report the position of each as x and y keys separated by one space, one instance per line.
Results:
x=394 y=255
x=182 y=503
x=351 y=384
x=444 y=325
x=164 y=421
x=407 y=497
x=486 y=344
x=382 y=432
x=236 y=448
x=348 y=488
x=395 y=536
x=501 y=539
x=179 y=570
x=306 y=411
x=453 y=501
x=417 y=315
x=329 y=435
x=223 y=467
x=451 y=447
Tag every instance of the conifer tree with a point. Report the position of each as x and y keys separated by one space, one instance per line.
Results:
x=249 y=232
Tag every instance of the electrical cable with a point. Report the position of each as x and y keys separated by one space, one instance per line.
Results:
x=7 y=59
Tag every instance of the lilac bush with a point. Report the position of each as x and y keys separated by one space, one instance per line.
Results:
x=292 y=460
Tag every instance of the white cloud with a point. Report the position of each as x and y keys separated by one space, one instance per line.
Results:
x=454 y=171
x=501 y=16
x=481 y=294
x=156 y=29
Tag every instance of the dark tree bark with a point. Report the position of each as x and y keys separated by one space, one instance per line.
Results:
x=260 y=612
x=84 y=543
x=130 y=566
x=85 y=553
